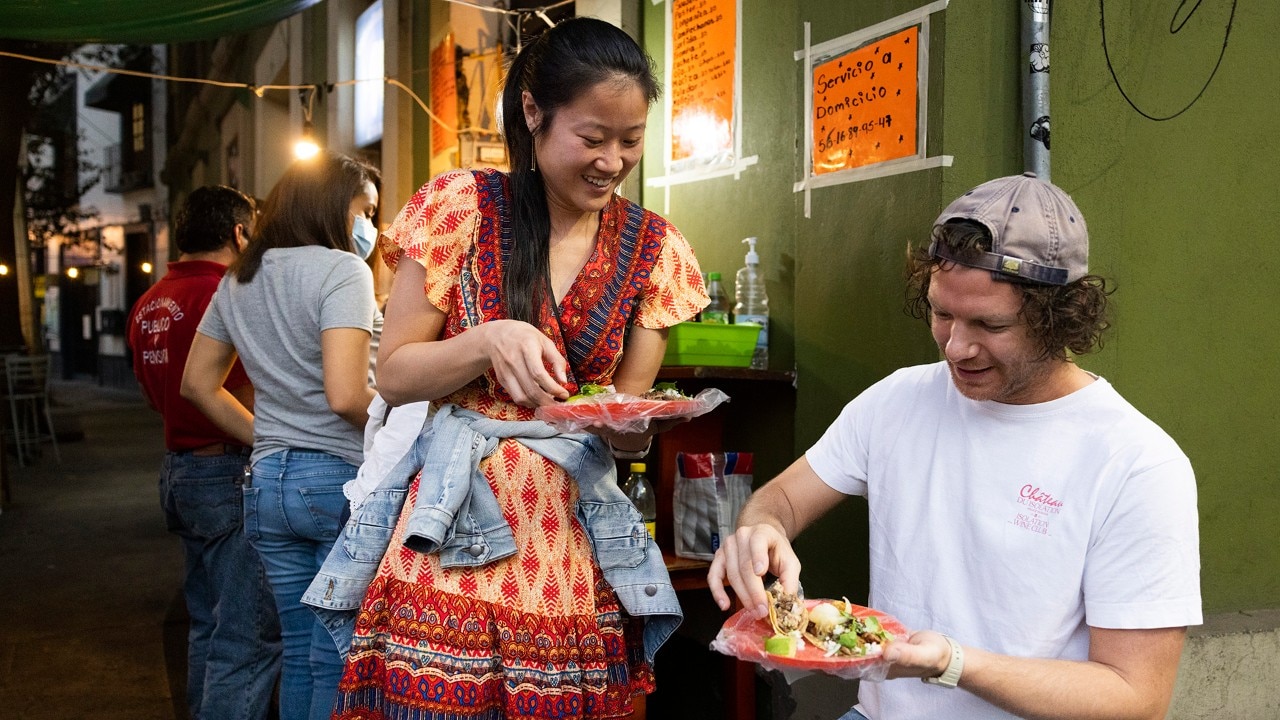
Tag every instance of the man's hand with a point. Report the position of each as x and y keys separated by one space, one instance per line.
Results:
x=775 y=513
x=743 y=559
x=921 y=654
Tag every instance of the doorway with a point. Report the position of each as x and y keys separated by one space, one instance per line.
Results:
x=78 y=333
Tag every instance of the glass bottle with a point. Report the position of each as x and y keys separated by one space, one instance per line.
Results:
x=718 y=310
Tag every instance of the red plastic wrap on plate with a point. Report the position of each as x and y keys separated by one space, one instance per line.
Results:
x=743 y=636
x=625 y=413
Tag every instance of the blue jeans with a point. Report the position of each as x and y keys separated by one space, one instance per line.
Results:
x=234 y=641
x=293 y=512
x=853 y=714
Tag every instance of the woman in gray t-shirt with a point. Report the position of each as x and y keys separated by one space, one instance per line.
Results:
x=297 y=308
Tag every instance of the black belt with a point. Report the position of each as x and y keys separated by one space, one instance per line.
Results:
x=215 y=449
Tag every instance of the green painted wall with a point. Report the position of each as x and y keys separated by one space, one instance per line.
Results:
x=1183 y=215
x=835 y=278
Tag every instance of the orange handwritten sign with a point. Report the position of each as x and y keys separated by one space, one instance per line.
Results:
x=864 y=104
x=444 y=95
x=704 y=40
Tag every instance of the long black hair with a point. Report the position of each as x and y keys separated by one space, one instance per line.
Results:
x=556 y=68
x=308 y=206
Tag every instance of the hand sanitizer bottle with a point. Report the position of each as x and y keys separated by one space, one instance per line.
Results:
x=753 y=304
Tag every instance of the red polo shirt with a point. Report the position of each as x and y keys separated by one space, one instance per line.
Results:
x=162 y=325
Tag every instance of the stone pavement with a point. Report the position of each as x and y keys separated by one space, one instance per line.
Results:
x=92 y=622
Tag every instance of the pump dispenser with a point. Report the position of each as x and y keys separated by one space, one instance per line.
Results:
x=753 y=303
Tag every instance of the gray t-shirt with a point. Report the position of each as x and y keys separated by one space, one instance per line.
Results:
x=275 y=322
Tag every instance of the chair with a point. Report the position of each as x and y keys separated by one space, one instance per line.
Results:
x=27 y=384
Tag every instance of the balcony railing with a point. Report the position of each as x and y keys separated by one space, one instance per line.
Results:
x=116 y=178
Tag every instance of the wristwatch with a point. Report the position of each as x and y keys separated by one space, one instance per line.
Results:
x=951 y=676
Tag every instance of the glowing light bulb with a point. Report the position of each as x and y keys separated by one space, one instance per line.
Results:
x=73 y=272
x=700 y=135
x=306 y=147
x=146 y=268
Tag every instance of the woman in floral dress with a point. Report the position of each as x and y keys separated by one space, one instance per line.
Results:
x=511 y=291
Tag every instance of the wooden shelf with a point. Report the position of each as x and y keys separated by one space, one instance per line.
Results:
x=686 y=573
x=708 y=372
x=759 y=418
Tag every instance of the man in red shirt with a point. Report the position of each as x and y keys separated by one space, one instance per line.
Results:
x=234 y=642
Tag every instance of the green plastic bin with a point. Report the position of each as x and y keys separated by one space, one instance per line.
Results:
x=694 y=343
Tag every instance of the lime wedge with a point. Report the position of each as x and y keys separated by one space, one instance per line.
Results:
x=780 y=645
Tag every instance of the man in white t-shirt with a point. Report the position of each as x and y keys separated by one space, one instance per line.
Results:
x=1035 y=532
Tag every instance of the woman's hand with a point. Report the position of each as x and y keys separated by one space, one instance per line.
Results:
x=632 y=442
x=520 y=355
x=415 y=363
x=635 y=375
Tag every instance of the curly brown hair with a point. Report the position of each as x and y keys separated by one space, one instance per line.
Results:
x=1062 y=318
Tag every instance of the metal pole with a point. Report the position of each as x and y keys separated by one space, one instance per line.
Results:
x=1035 y=87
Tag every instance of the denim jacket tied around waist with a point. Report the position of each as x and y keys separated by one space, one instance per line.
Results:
x=457 y=516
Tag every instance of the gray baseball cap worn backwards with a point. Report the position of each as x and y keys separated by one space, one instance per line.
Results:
x=1037 y=233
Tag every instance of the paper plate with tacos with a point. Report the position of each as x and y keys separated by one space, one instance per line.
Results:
x=829 y=636
x=602 y=406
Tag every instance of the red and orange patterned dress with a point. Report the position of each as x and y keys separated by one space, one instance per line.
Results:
x=539 y=634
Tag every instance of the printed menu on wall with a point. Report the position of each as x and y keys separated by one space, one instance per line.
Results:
x=704 y=36
x=864 y=104
x=444 y=95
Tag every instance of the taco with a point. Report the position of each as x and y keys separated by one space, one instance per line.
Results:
x=788 y=618
x=591 y=392
x=832 y=627
x=588 y=391
x=665 y=391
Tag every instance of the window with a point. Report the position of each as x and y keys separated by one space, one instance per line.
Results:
x=369 y=69
x=139 y=127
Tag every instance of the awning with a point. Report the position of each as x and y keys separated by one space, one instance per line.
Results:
x=139 y=21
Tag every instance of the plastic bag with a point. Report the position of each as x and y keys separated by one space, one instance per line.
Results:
x=625 y=413
x=710 y=490
x=743 y=636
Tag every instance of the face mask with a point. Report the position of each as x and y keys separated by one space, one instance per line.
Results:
x=364 y=235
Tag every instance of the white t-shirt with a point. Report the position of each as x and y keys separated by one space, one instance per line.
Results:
x=388 y=435
x=1013 y=527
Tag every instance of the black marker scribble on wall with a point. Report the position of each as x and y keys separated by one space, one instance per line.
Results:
x=1181 y=15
